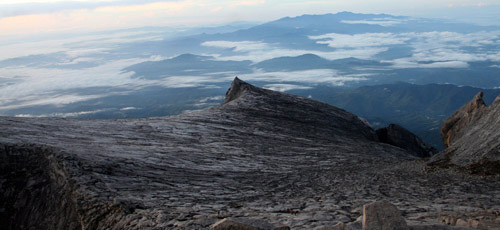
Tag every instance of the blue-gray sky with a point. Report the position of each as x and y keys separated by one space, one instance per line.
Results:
x=46 y=16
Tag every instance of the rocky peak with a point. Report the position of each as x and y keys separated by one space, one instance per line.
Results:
x=472 y=138
x=496 y=101
x=294 y=114
x=238 y=87
x=453 y=127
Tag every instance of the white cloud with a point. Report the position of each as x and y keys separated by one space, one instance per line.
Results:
x=128 y=108
x=73 y=114
x=446 y=48
x=74 y=46
x=190 y=81
x=260 y=51
x=408 y=63
x=77 y=61
x=438 y=39
x=285 y=87
x=317 y=76
x=494 y=56
x=444 y=54
x=376 y=21
x=240 y=46
x=59 y=100
x=359 y=40
x=214 y=98
x=42 y=85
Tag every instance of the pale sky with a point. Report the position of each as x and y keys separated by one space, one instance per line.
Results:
x=24 y=17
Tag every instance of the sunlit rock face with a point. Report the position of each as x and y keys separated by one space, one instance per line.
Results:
x=472 y=138
x=261 y=155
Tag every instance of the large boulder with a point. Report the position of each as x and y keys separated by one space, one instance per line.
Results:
x=382 y=215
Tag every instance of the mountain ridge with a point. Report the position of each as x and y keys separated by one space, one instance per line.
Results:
x=275 y=147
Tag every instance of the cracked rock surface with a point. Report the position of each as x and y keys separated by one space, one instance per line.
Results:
x=260 y=156
x=472 y=138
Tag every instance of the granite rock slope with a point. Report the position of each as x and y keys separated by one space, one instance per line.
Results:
x=472 y=138
x=260 y=155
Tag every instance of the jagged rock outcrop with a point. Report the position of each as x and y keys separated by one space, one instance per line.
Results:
x=238 y=87
x=257 y=156
x=472 y=138
x=456 y=125
x=398 y=136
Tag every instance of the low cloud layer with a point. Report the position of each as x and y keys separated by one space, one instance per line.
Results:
x=335 y=40
x=319 y=76
x=57 y=72
x=260 y=51
x=446 y=49
x=285 y=87
x=376 y=21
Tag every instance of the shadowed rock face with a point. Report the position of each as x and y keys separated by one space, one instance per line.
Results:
x=472 y=138
x=401 y=137
x=35 y=190
x=259 y=155
x=238 y=87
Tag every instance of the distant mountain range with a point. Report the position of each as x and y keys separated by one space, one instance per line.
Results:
x=388 y=69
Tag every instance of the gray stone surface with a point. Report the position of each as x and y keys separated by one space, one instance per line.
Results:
x=455 y=126
x=382 y=215
x=472 y=138
x=256 y=157
x=241 y=224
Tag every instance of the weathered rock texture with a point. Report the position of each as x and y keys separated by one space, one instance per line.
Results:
x=478 y=220
x=401 y=137
x=383 y=215
x=258 y=156
x=456 y=125
x=472 y=138
x=241 y=224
